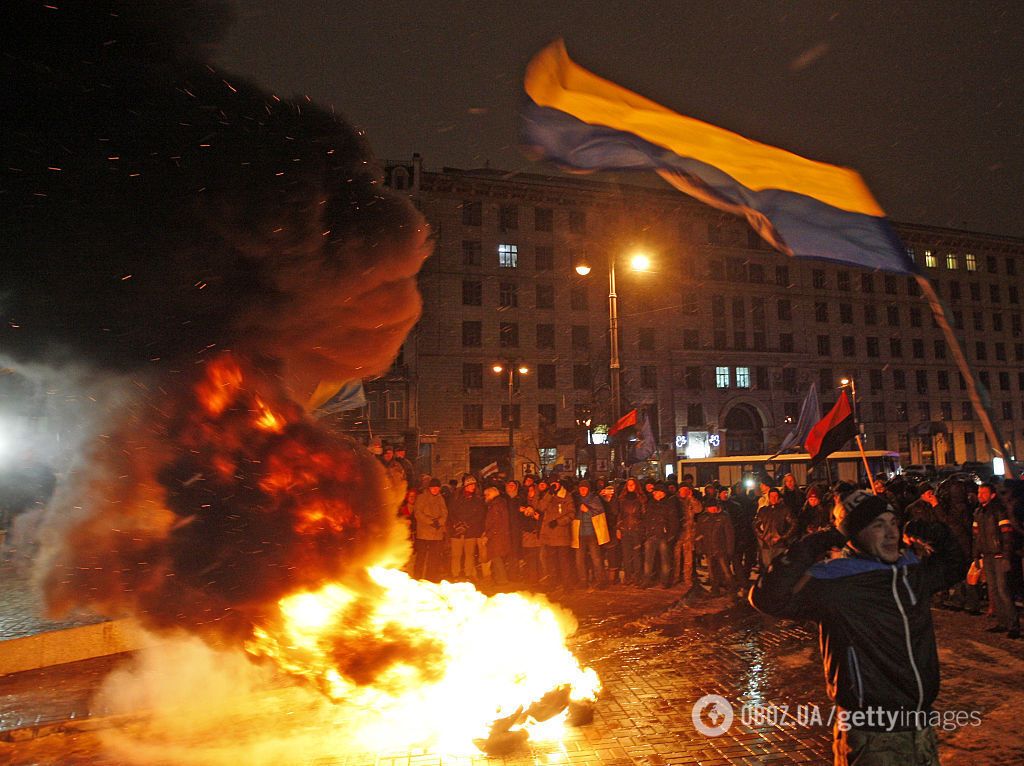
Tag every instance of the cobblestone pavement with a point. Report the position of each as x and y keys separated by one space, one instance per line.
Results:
x=656 y=658
x=21 y=608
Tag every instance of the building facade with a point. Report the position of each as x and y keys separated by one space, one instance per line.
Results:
x=719 y=340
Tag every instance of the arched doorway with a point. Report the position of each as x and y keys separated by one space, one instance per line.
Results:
x=744 y=431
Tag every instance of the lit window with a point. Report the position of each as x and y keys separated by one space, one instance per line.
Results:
x=929 y=259
x=508 y=256
x=742 y=377
x=951 y=262
x=721 y=377
x=970 y=262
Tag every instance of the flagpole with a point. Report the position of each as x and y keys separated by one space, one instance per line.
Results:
x=849 y=382
x=975 y=391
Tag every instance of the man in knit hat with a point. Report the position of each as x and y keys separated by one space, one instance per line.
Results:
x=872 y=605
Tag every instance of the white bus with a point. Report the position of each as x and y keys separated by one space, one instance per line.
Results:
x=842 y=466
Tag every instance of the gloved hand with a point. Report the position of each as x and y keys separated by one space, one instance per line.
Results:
x=816 y=544
x=553 y=523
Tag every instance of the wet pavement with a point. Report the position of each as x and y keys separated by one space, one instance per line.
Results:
x=656 y=658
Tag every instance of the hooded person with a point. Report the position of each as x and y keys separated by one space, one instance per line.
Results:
x=877 y=640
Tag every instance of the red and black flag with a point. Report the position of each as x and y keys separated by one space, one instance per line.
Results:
x=627 y=420
x=832 y=431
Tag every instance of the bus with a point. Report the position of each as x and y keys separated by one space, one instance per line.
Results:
x=842 y=466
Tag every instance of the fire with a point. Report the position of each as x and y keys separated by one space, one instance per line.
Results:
x=453 y=661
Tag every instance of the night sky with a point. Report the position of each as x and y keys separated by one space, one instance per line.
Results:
x=924 y=99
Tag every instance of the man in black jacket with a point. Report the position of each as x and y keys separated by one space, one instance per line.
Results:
x=876 y=634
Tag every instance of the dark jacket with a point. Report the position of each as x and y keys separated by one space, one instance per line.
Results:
x=466 y=514
x=772 y=524
x=498 y=526
x=660 y=520
x=631 y=511
x=715 y=534
x=993 y=529
x=875 y=623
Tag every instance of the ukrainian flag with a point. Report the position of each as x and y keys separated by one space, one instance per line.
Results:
x=802 y=207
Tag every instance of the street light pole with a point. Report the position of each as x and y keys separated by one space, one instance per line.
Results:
x=510 y=367
x=614 y=367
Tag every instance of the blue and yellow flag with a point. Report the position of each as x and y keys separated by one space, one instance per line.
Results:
x=802 y=207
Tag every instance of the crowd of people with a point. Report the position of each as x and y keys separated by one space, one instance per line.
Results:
x=557 y=533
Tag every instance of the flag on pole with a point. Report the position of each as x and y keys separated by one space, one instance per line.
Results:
x=489 y=469
x=810 y=411
x=627 y=420
x=331 y=398
x=832 y=431
x=801 y=207
x=644 y=446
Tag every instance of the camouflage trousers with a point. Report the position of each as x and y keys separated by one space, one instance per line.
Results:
x=885 y=748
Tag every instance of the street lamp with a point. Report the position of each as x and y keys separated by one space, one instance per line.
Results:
x=639 y=261
x=511 y=367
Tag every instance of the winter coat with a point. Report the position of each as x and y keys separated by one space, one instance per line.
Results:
x=497 y=527
x=590 y=513
x=660 y=520
x=430 y=513
x=715 y=534
x=631 y=511
x=993 y=530
x=529 y=527
x=875 y=622
x=466 y=514
x=772 y=523
x=558 y=508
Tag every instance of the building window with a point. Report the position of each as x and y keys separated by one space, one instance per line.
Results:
x=508 y=217
x=1004 y=381
x=755 y=273
x=1000 y=351
x=943 y=380
x=721 y=377
x=958 y=319
x=472 y=334
x=954 y=290
x=695 y=414
x=472 y=252
x=761 y=378
x=913 y=288
x=508 y=334
x=789 y=379
x=739 y=339
x=543 y=219
x=929 y=259
x=922 y=381
x=946 y=410
x=546 y=376
x=544 y=258
x=691 y=339
x=547 y=414
x=870 y=314
x=980 y=350
x=917 y=348
x=742 y=377
x=508 y=295
x=824 y=346
x=578 y=221
x=782 y=276
x=924 y=411
x=692 y=379
x=867 y=283
x=508 y=256
x=891 y=285
x=875 y=378
x=899 y=380
x=1007 y=410
x=951 y=262
x=472 y=213
x=843 y=281
x=739 y=314
x=872 y=345
x=892 y=315
x=545 y=336
x=472 y=292
x=915 y=316
x=545 y=296
x=786 y=342
x=901 y=411
x=940 y=349
x=1013 y=293
x=789 y=412
x=472 y=376
x=975 y=291
x=718 y=307
x=970 y=262
x=878 y=411
x=821 y=312
x=580 y=337
x=997 y=322
x=994 y=294
x=472 y=417
x=966 y=413
x=785 y=310
x=648 y=376
x=849 y=346
x=818 y=279
x=993 y=264
x=825 y=379
x=516 y=414
x=645 y=341
x=581 y=376
x=978 y=320
x=846 y=313
x=578 y=299
x=396 y=407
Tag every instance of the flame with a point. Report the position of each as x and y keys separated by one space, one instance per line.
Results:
x=461 y=661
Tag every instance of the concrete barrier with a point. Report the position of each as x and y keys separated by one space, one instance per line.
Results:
x=56 y=647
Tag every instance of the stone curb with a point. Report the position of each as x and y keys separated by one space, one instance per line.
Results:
x=57 y=647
